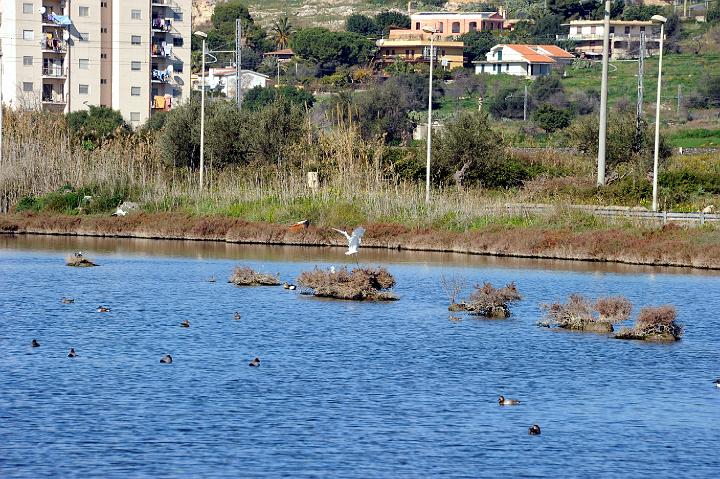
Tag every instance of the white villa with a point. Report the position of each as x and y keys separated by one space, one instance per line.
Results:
x=524 y=60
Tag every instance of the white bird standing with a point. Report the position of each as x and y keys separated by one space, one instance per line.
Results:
x=354 y=240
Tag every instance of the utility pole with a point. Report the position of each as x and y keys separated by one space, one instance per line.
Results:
x=679 y=100
x=603 y=96
x=640 y=88
x=525 y=105
x=238 y=63
x=278 y=71
x=1 y=107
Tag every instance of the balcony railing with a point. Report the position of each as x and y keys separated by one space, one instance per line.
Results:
x=54 y=98
x=614 y=36
x=54 y=72
x=56 y=20
x=53 y=45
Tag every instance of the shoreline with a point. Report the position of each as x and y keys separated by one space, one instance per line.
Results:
x=669 y=246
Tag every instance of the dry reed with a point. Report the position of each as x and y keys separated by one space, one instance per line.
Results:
x=246 y=276
x=358 y=284
x=579 y=314
x=654 y=324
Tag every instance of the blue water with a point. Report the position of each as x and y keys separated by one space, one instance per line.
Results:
x=345 y=389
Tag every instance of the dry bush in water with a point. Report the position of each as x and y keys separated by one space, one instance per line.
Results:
x=613 y=309
x=654 y=324
x=578 y=313
x=79 y=261
x=246 y=276
x=358 y=284
x=489 y=301
x=452 y=286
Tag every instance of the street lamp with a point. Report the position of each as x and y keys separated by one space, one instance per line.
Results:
x=432 y=32
x=202 y=35
x=661 y=20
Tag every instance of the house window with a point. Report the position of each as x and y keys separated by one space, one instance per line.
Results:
x=178 y=67
x=29 y=35
x=27 y=8
x=103 y=4
x=83 y=63
x=441 y=27
x=27 y=61
x=136 y=14
x=593 y=30
x=612 y=30
x=103 y=30
x=473 y=26
x=642 y=29
x=84 y=37
x=135 y=40
x=392 y=52
x=507 y=67
x=134 y=116
x=178 y=16
x=83 y=89
x=407 y=53
x=178 y=42
x=492 y=26
x=499 y=55
x=103 y=81
x=135 y=66
x=456 y=27
x=135 y=91
x=84 y=11
x=627 y=30
x=103 y=56
x=417 y=25
x=27 y=86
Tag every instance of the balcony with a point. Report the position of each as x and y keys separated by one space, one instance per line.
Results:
x=54 y=98
x=53 y=45
x=51 y=19
x=54 y=72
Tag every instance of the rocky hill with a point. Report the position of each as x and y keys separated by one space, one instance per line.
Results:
x=326 y=13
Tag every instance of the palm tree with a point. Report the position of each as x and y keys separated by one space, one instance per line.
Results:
x=281 y=32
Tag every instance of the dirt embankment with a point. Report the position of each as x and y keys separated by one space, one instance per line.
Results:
x=669 y=246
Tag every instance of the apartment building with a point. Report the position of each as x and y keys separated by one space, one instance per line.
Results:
x=65 y=55
x=624 y=37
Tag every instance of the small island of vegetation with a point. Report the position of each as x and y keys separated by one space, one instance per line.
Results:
x=654 y=324
x=488 y=301
x=359 y=284
x=246 y=276
x=579 y=314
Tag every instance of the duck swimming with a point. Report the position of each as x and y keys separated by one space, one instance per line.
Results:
x=255 y=362
x=35 y=344
x=291 y=287
x=286 y=285
x=67 y=300
x=237 y=316
x=717 y=382
x=507 y=402
x=167 y=359
x=185 y=324
x=534 y=430
x=72 y=353
x=102 y=309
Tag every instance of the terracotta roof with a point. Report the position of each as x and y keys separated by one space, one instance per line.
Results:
x=531 y=55
x=556 y=51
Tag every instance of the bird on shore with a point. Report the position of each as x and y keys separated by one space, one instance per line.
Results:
x=35 y=344
x=255 y=362
x=102 y=309
x=534 y=430
x=72 y=353
x=185 y=324
x=78 y=254
x=507 y=402
x=237 y=316
x=299 y=226
x=354 y=239
x=67 y=300
x=167 y=359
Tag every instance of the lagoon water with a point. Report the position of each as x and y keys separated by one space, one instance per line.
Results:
x=352 y=390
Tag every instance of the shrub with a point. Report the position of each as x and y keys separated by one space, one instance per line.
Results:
x=79 y=261
x=95 y=125
x=246 y=276
x=489 y=301
x=550 y=118
x=358 y=284
x=654 y=324
x=578 y=313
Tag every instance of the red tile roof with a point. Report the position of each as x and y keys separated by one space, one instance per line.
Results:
x=556 y=51
x=531 y=55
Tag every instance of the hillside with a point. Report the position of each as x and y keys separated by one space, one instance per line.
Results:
x=326 y=13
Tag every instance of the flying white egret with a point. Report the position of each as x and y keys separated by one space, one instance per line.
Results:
x=354 y=240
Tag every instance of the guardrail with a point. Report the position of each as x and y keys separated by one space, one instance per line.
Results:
x=699 y=218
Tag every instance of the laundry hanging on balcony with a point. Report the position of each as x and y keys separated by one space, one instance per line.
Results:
x=163 y=75
x=59 y=19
